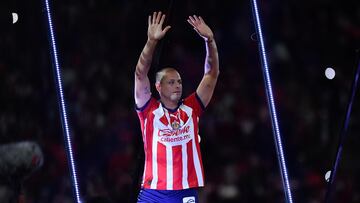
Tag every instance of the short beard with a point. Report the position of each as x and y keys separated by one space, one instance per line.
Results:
x=175 y=97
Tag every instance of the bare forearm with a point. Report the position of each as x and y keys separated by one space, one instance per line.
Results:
x=212 y=58
x=145 y=59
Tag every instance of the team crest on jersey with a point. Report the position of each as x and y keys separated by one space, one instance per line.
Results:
x=175 y=125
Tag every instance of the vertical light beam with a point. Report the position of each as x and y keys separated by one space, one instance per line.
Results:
x=62 y=106
x=343 y=133
x=271 y=104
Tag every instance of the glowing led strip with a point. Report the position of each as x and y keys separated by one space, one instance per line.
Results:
x=62 y=105
x=271 y=103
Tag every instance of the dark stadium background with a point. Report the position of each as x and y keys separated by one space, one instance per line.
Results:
x=99 y=43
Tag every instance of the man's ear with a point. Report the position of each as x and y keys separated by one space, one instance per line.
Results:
x=158 y=87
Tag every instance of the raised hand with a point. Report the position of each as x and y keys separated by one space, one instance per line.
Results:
x=155 y=23
x=200 y=27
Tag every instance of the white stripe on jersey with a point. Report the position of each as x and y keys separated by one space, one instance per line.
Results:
x=185 y=183
x=197 y=164
x=158 y=113
x=169 y=168
x=144 y=133
x=195 y=154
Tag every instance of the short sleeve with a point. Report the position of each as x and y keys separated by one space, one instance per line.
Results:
x=144 y=110
x=195 y=103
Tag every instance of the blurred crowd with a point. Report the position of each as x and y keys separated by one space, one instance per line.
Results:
x=99 y=43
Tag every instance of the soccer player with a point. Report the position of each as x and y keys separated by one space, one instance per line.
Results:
x=173 y=166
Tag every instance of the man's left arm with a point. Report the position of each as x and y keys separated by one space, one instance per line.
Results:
x=207 y=85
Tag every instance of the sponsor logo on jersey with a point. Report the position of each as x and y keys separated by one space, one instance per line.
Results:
x=189 y=200
x=169 y=135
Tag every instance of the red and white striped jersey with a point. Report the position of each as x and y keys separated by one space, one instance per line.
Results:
x=171 y=145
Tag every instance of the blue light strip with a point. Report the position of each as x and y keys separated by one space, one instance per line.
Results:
x=271 y=103
x=62 y=105
x=343 y=133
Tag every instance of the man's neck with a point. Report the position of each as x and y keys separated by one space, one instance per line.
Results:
x=169 y=104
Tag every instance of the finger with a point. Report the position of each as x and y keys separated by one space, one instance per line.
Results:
x=149 y=20
x=162 y=19
x=201 y=19
x=154 y=17
x=167 y=28
x=196 y=18
x=192 y=20
x=158 y=17
x=191 y=23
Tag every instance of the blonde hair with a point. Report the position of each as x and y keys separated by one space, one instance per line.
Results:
x=160 y=74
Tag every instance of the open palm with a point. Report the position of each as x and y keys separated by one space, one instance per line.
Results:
x=200 y=27
x=155 y=23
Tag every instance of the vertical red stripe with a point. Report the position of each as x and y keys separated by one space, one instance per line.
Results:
x=178 y=167
x=148 y=152
x=183 y=116
x=192 y=179
x=164 y=120
x=161 y=161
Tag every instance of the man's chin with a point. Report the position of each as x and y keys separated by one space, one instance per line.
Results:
x=175 y=97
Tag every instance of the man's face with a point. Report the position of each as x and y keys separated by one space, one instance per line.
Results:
x=170 y=86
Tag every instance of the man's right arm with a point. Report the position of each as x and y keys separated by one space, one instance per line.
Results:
x=142 y=82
